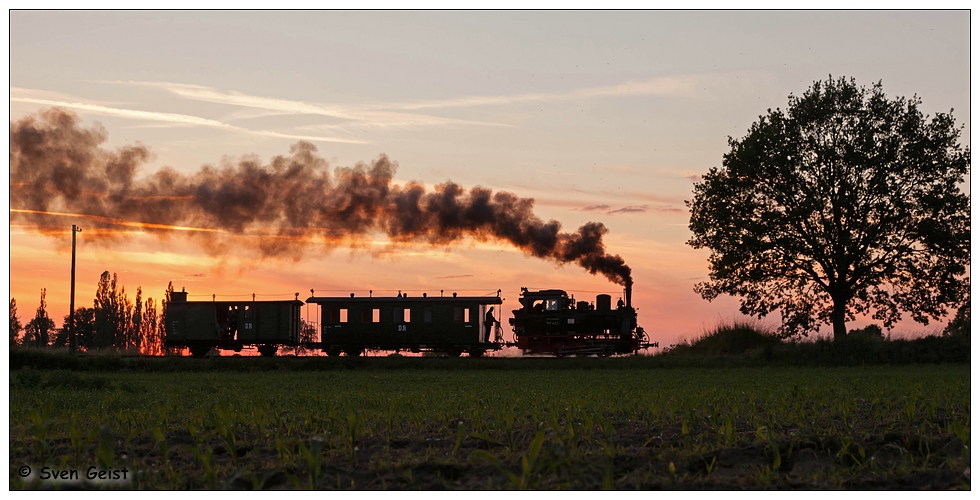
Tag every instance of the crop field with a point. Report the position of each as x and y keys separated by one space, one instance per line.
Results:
x=494 y=424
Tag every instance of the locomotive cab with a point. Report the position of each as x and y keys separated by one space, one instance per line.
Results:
x=545 y=301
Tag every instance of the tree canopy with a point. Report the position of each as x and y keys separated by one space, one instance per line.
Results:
x=846 y=203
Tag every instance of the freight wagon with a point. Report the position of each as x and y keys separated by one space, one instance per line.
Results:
x=205 y=325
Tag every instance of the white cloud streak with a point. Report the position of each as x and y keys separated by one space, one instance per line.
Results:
x=369 y=115
x=362 y=117
x=175 y=119
x=384 y=114
x=677 y=85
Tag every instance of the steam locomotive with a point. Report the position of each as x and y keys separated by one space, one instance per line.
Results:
x=548 y=322
x=551 y=322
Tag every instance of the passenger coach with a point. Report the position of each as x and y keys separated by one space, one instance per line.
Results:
x=450 y=325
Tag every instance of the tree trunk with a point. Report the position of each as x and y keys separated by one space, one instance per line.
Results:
x=838 y=318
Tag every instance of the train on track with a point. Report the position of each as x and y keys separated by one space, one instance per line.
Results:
x=549 y=322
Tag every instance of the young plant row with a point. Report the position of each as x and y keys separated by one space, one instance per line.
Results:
x=498 y=429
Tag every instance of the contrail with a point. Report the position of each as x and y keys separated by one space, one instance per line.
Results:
x=295 y=201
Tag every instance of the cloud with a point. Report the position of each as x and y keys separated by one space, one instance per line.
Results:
x=176 y=119
x=360 y=115
x=629 y=209
x=376 y=114
x=682 y=173
x=454 y=276
x=387 y=114
x=672 y=85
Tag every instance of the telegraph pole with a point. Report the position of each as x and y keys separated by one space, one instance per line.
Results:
x=71 y=305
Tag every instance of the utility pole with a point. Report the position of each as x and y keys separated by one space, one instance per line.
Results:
x=71 y=305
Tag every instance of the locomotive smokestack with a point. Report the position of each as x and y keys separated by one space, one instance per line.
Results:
x=629 y=295
x=58 y=167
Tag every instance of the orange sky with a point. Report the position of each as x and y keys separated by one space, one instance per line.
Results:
x=144 y=260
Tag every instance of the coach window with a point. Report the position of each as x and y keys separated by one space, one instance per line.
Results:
x=466 y=315
x=427 y=315
x=343 y=315
x=407 y=315
x=458 y=314
x=552 y=305
x=376 y=315
x=396 y=314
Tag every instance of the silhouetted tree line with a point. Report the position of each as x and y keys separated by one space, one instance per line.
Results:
x=113 y=322
x=38 y=329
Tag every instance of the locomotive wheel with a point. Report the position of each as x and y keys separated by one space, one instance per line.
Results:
x=333 y=351
x=354 y=351
x=268 y=350
x=476 y=353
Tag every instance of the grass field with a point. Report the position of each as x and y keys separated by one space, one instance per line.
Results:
x=494 y=424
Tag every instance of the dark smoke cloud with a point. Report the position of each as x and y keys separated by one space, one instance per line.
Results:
x=291 y=203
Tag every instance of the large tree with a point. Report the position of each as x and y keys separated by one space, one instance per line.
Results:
x=846 y=203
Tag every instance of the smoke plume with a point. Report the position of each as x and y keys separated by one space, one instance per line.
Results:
x=289 y=204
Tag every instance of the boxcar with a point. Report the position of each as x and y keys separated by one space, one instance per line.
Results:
x=205 y=325
x=450 y=325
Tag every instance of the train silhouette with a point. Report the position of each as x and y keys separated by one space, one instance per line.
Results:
x=549 y=322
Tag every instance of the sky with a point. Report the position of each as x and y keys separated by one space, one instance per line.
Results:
x=599 y=116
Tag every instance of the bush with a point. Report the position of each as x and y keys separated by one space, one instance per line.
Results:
x=737 y=337
x=871 y=331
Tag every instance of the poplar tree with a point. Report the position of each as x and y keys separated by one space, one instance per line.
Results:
x=39 y=328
